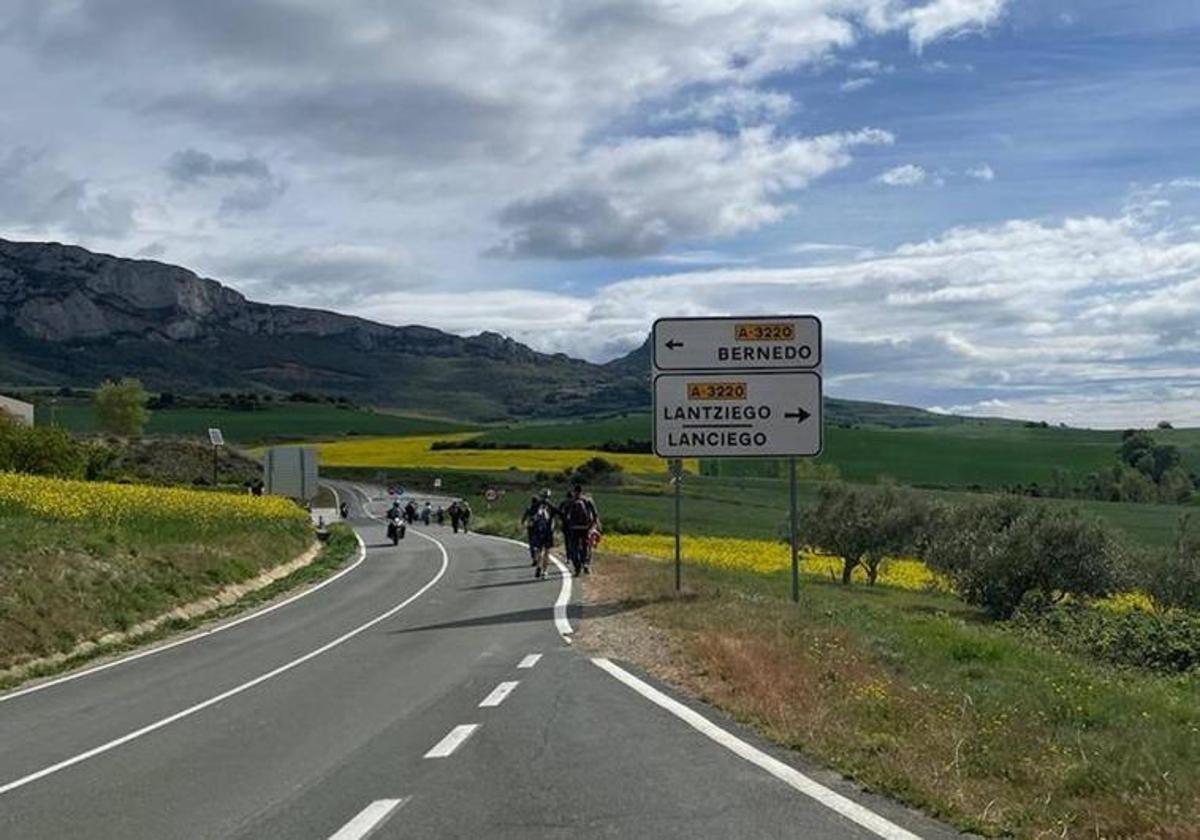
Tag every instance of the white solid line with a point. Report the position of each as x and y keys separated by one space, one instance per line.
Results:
x=452 y=741
x=787 y=774
x=564 y=594
x=203 y=634
x=530 y=660
x=368 y=820
x=233 y=692
x=498 y=695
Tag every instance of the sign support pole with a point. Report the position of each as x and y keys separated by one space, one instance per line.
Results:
x=677 y=472
x=792 y=531
x=214 y=466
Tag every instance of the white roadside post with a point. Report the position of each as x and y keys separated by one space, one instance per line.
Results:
x=738 y=387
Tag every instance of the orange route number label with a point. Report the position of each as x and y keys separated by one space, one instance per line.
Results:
x=717 y=391
x=764 y=332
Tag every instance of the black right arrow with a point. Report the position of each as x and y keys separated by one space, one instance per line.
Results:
x=672 y=344
x=800 y=414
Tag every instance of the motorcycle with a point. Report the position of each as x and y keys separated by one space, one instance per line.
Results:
x=396 y=530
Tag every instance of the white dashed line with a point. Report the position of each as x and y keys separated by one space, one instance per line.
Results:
x=453 y=741
x=498 y=695
x=368 y=819
x=787 y=774
x=530 y=660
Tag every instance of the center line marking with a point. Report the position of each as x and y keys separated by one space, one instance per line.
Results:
x=368 y=819
x=530 y=660
x=453 y=741
x=498 y=694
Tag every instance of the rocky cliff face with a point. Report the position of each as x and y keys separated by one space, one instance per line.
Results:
x=66 y=294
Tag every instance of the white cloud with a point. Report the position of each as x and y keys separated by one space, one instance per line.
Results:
x=908 y=175
x=949 y=18
x=860 y=83
x=982 y=173
x=635 y=196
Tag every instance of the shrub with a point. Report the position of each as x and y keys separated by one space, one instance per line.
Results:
x=41 y=450
x=1172 y=578
x=1006 y=551
x=1167 y=642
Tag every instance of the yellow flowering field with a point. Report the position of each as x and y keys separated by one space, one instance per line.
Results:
x=53 y=498
x=766 y=556
x=417 y=452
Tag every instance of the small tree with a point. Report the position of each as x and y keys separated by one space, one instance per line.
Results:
x=121 y=407
x=862 y=526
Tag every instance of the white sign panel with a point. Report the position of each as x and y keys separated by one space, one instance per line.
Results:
x=736 y=414
x=215 y=437
x=785 y=342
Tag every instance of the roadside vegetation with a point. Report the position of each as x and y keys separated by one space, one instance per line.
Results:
x=81 y=559
x=918 y=695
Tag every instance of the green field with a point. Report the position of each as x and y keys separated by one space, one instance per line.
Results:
x=281 y=422
x=987 y=455
x=755 y=508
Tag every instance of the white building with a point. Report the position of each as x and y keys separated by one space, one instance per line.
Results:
x=23 y=411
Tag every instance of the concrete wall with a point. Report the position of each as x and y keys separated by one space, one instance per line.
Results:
x=23 y=411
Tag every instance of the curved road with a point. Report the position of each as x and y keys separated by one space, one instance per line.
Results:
x=427 y=692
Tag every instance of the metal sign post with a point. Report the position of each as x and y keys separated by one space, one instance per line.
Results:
x=677 y=480
x=792 y=531
x=217 y=440
x=738 y=387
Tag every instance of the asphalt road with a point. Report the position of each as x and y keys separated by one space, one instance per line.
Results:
x=429 y=691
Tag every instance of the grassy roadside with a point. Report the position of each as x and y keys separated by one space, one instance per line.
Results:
x=79 y=560
x=335 y=554
x=916 y=695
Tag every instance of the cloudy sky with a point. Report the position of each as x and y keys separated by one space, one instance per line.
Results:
x=994 y=205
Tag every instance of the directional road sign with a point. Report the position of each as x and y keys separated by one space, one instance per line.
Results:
x=737 y=414
x=786 y=342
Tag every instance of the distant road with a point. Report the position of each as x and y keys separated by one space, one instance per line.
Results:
x=430 y=691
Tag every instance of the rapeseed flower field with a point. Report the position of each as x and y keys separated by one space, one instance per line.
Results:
x=766 y=557
x=52 y=498
x=417 y=451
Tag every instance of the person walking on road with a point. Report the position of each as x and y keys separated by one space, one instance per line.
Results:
x=527 y=521
x=425 y=514
x=579 y=518
x=410 y=512
x=464 y=513
x=455 y=515
x=440 y=515
x=541 y=516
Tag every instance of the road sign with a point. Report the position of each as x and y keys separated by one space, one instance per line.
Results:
x=393 y=490
x=215 y=437
x=785 y=342
x=491 y=494
x=736 y=414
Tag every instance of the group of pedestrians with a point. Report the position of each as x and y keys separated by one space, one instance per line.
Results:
x=578 y=520
x=459 y=513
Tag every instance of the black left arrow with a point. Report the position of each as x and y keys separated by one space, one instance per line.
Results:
x=672 y=344
x=799 y=414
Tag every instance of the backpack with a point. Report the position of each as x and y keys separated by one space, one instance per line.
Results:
x=543 y=520
x=579 y=514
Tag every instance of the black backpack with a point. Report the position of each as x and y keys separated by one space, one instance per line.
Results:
x=579 y=513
